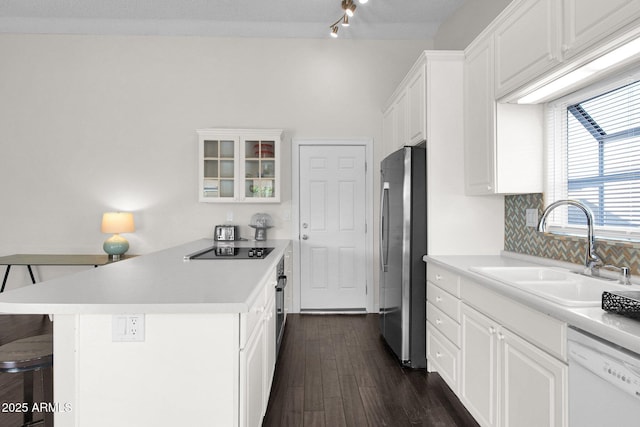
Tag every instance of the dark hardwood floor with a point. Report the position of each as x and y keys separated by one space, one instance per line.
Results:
x=13 y=327
x=335 y=370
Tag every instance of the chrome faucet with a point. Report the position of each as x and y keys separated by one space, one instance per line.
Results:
x=592 y=261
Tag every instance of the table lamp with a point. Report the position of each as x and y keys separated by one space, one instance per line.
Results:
x=116 y=223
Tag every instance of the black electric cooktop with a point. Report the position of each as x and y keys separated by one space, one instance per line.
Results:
x=230 y=252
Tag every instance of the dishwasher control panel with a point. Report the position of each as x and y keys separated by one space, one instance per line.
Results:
x=620 y=373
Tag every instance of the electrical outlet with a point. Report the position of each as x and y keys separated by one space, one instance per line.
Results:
x=229 y=216
x=532 y=217
x=128 y=327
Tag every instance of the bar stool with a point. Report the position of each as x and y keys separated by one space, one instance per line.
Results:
x=29 y=355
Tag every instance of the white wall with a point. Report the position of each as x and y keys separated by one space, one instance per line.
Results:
x=467 y=22
x=96 y=123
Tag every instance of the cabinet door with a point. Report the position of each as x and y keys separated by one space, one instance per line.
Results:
x=417 y=117
x=527 y=43
x=478 y=389
x=533 y=385
x=252 y=372
x=218 y=167
x=260 y=169
x=588 y=22
x=401 y=107
x=389 y=142
x=269 y=345
x=479 y=119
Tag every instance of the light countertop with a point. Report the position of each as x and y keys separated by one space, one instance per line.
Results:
x=617 y=329
x=160 y=282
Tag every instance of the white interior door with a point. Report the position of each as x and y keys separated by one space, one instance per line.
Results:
x=332 y=195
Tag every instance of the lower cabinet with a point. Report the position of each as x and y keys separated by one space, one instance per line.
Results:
x=270 y=350
x=252 y=373
x=505 y=380
x=258 y=358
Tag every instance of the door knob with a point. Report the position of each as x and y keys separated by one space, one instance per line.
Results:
x=305 y=237
x=305 y=225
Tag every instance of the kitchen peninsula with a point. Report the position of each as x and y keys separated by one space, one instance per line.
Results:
x=204 y=353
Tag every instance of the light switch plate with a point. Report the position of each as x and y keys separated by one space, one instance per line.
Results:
x=532 y=218
x=127 y=327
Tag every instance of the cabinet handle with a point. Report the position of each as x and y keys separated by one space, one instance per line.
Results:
x=438 y=299
x=438 y=355
x=489 y=188
x=258 y=309
x=500 y=337
x=492 y=330
x=438 y=322
x=438 y=277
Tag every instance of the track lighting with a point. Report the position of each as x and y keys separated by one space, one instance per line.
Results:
x=348 y=8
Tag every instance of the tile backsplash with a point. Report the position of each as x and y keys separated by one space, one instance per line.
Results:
x=526 y=240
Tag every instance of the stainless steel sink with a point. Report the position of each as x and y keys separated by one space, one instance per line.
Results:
x=559 y=285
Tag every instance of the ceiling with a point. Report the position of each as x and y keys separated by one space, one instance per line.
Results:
x=378 y=19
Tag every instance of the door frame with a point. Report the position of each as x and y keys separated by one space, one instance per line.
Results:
x=296 y=143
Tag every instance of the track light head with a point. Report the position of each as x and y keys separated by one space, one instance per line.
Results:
x=363 y=1
x=345 y=20
x=348 y=7
x=334 y=31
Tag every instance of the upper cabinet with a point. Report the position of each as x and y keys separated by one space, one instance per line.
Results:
x=404 y=118
x=239 y=165
x=502 y=142
x=479 y=119
x=416 y=114
x=527 y=43
x=531 y=43
x=589 y=22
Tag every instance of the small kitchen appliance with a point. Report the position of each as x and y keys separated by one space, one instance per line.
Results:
x=225 y=233
x=261 y=222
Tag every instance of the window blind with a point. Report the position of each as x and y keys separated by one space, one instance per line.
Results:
x=595 y=158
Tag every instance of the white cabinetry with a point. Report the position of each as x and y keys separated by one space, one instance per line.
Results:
x=395 y=123
x=416 y=114
x=257 y=356
x=404 y=118
x=457 y=223
x=502 y=142
x=589 y=22
x=443 y=324
x=513 y=369
x=527 y=42
x=252 y=372
x=239 y=165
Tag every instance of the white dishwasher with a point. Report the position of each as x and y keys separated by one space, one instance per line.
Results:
x=604 y=383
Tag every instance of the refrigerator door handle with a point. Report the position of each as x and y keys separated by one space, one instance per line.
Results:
x=384 y=244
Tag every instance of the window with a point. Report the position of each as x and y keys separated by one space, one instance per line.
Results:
x=595 y=158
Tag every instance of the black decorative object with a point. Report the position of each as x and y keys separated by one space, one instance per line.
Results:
x=626 y=303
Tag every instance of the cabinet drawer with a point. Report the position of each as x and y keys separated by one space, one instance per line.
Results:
x=250 y=320
x=443 y=323
x=444 y=279
x=443 y=358
x=444 y=301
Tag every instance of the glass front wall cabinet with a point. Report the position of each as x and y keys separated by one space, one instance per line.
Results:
x=239 y=165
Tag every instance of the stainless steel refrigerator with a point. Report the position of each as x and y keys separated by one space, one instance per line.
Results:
x=403 y=243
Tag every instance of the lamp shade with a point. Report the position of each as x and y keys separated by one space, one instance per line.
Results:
x=117 y=222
